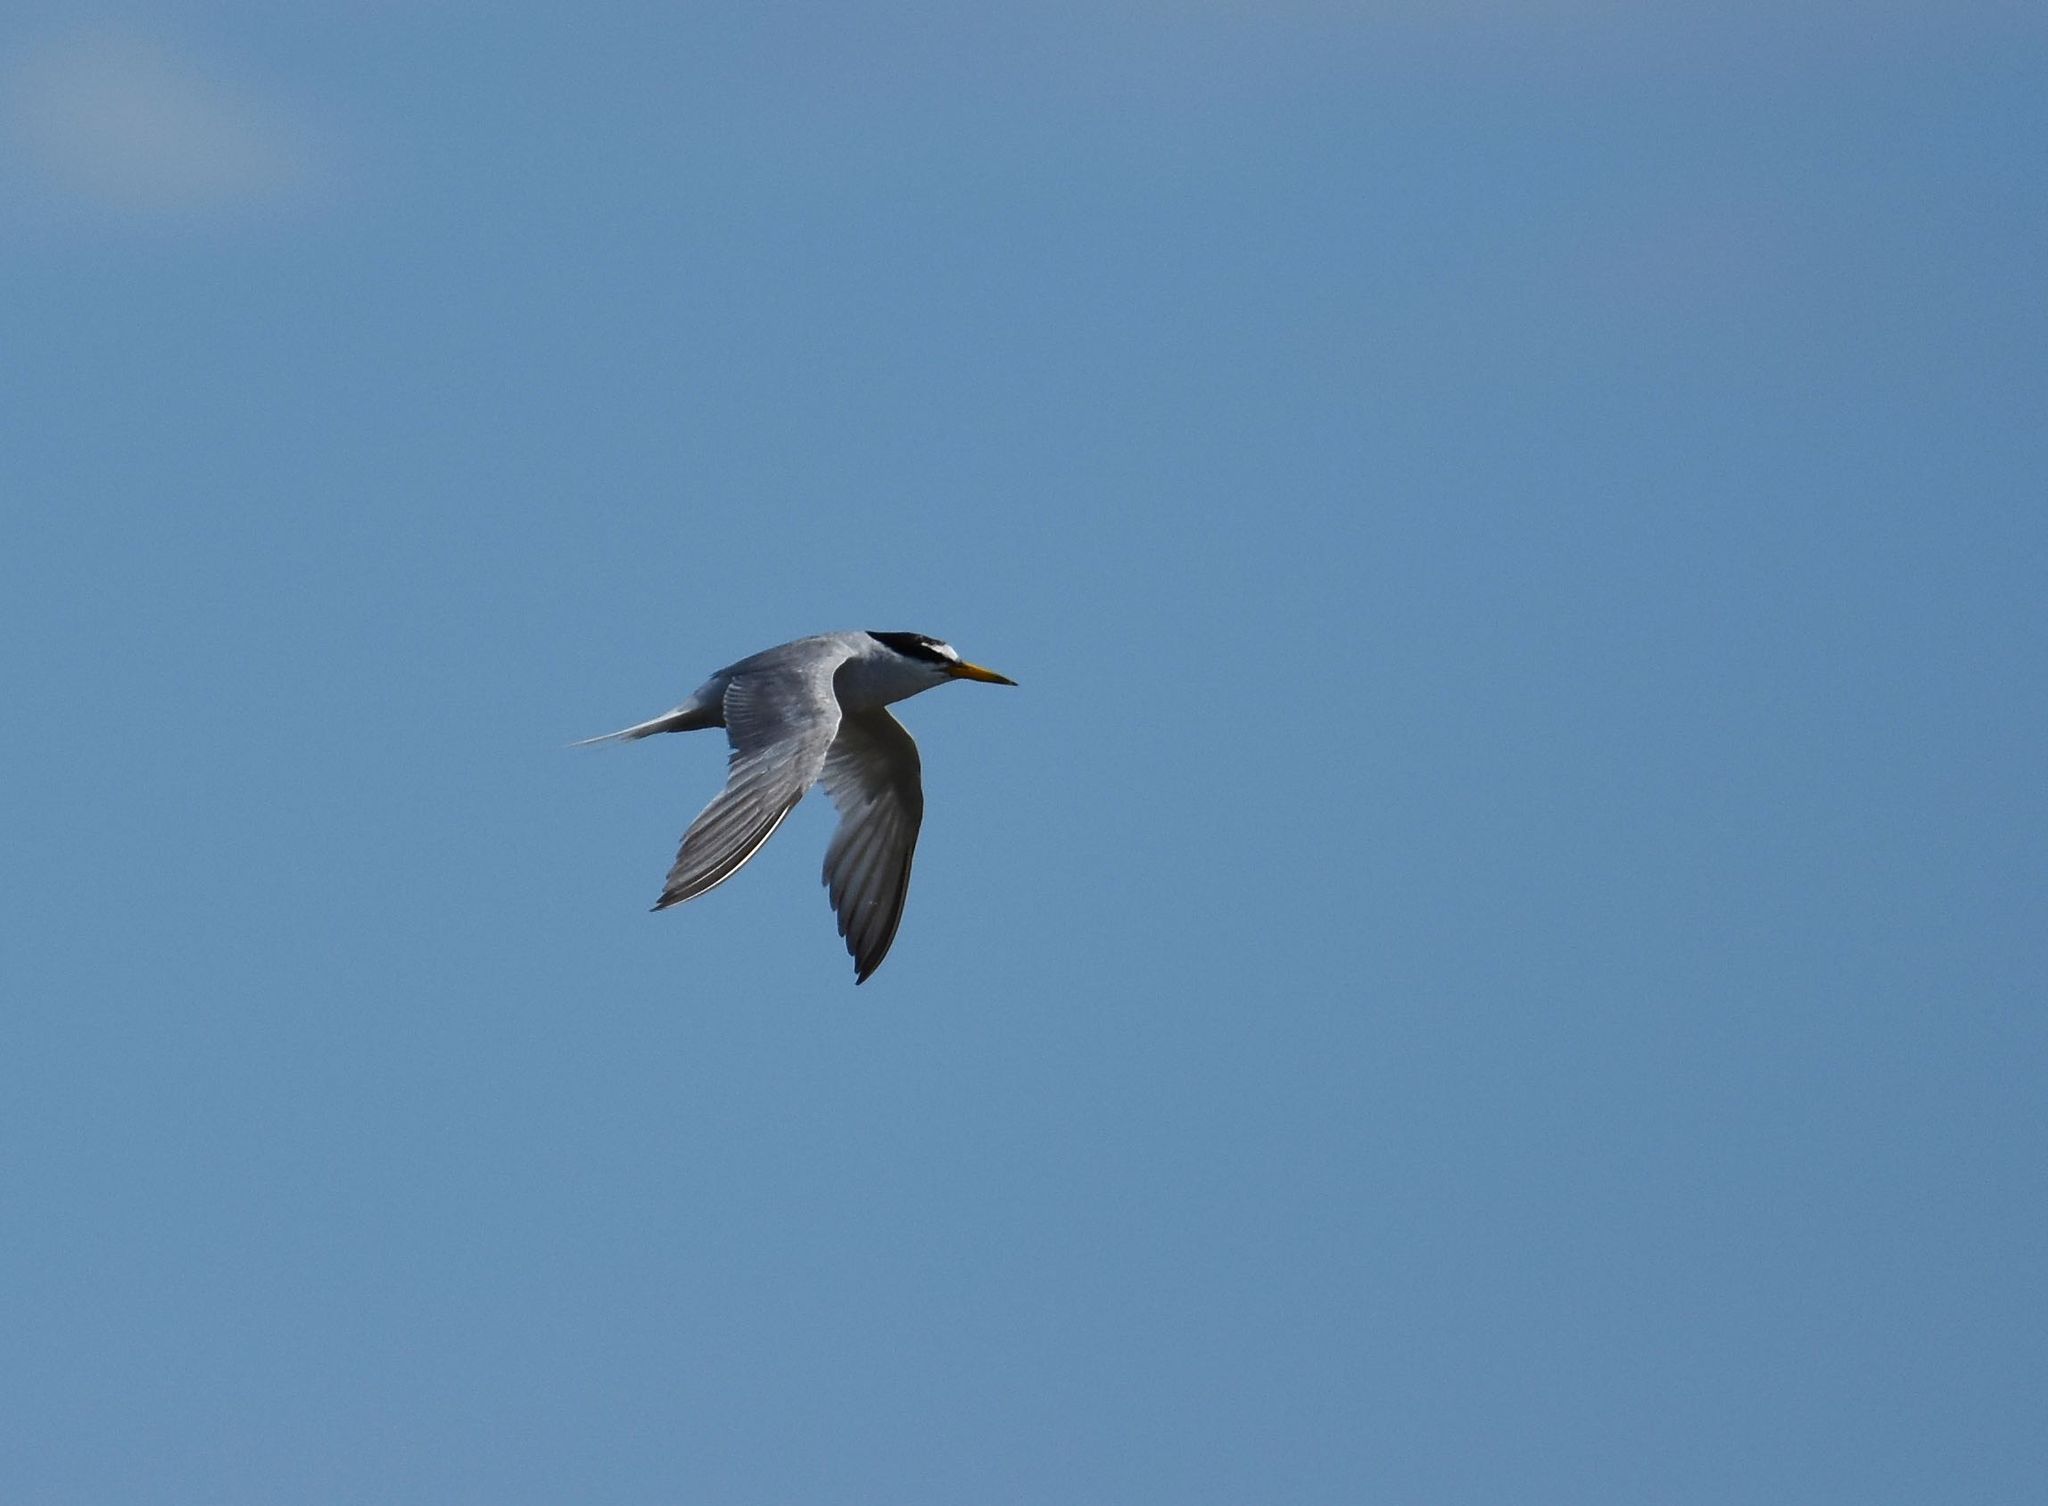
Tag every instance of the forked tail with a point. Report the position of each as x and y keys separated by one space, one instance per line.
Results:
x=688 y=717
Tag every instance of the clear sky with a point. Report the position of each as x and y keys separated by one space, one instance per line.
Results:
x=1497 y=954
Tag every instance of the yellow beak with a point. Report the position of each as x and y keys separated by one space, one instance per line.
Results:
x=964 y=671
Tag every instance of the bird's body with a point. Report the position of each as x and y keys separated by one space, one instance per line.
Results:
x=810 y=710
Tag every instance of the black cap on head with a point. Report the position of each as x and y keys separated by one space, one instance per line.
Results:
x=916 y=646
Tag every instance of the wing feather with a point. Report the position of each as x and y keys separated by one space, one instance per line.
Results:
x=781 y=720
x=872 y=774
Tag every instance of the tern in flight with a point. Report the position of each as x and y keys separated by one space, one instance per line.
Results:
x=816 y=709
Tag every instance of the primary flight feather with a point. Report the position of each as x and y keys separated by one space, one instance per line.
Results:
x=803 y=712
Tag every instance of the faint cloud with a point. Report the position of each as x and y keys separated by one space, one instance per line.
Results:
x=138 y=128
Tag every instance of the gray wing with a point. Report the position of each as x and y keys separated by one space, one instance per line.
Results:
x=871 y=773
x=780 y=720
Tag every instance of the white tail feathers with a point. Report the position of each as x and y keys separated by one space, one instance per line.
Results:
x=687 y=717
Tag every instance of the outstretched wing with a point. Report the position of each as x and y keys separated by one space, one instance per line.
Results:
x=871 y=773
x=780 y=720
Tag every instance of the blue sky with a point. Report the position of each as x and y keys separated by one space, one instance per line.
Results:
x=1496 y=954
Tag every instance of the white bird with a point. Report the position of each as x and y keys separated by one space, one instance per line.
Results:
x=804 y=711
